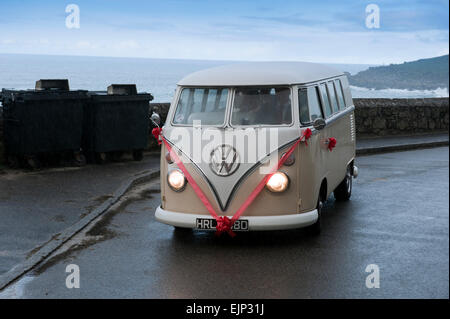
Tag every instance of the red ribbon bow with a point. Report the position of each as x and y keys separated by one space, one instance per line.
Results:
x=307 y=134
x=224 y=225
x=157 y=134
x=331 y=143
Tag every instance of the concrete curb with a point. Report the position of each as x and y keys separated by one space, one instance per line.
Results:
x=399 y=147
x=56 y=242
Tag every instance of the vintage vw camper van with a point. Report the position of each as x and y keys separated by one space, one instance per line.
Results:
x=228 y=128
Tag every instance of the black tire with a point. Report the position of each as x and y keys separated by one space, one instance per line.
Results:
x=117 y=156
x=13 y=161
x=138 y=155
x=344 y=191
x=33 y=162
x=79 y=160
x=100 y=158
x=90 y=156
x=316 y=228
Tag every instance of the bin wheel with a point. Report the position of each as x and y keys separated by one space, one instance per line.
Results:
x=79 y=159
x=138 y=155
x=13 y=161
x=117 y=156
x=33 y=162
x=100 y=158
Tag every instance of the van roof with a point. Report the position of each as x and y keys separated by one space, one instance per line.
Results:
x=260 y=73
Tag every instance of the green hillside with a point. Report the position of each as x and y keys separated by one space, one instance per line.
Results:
x=424 y=74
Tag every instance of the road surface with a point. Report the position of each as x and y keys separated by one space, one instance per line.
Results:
x=397 y=219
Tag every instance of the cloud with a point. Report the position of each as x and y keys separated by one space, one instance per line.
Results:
x=325 y=31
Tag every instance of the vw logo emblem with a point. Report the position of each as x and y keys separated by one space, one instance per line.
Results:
x=224 y=160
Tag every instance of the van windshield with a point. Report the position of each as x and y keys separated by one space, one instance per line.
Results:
x=206 y=105
x=262 y=106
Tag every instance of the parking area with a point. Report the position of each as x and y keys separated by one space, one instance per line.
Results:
x=397 y=219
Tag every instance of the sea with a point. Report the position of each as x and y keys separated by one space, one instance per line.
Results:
x=156 y=76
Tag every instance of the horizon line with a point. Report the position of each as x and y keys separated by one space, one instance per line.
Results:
x=212 y=60
x=178 y=59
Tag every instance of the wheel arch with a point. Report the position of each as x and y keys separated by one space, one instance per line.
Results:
x=323 y=190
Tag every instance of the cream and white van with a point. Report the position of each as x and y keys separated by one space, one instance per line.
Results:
x=228 y=123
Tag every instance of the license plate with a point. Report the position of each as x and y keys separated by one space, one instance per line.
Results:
x=211 y=223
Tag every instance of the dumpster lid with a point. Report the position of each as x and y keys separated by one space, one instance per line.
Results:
x=122 y=89
x=52 y=84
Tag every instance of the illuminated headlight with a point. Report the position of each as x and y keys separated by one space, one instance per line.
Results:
x=176 y=180
x=278 y=182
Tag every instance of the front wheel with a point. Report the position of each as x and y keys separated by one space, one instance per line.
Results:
x=316 y=228
x=344 y=191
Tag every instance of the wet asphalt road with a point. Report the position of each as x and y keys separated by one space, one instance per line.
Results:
x=398 y=218
x=37 y=206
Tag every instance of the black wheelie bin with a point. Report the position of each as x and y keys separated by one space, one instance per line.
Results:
x=115 y=122
x=47 y=120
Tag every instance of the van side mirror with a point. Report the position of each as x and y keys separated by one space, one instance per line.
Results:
x=319 y=124
x=155 y=118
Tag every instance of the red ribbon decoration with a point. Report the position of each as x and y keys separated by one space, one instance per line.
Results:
x=331 y=143
x=305 y=135
x=157 y=132
x=224 y=223
x=221 y=223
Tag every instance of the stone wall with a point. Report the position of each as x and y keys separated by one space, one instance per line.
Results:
x=374 y=117
x=1 y=136
x=381 y=117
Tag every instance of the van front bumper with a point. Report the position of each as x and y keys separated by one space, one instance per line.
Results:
x=255 y=223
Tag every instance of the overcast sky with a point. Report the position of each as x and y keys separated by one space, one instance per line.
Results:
x=319 y=31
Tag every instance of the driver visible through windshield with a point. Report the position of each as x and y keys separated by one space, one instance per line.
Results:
x=262 y=106
x=251 y=106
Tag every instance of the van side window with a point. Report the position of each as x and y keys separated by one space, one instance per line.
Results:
x=332 y=94
x=303 y=106
x=309 y=103
x=340 y=94
x=325 y=100
x=314 y=103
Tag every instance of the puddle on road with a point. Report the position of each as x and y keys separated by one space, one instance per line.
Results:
x=97 y=201
x=100 y=229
